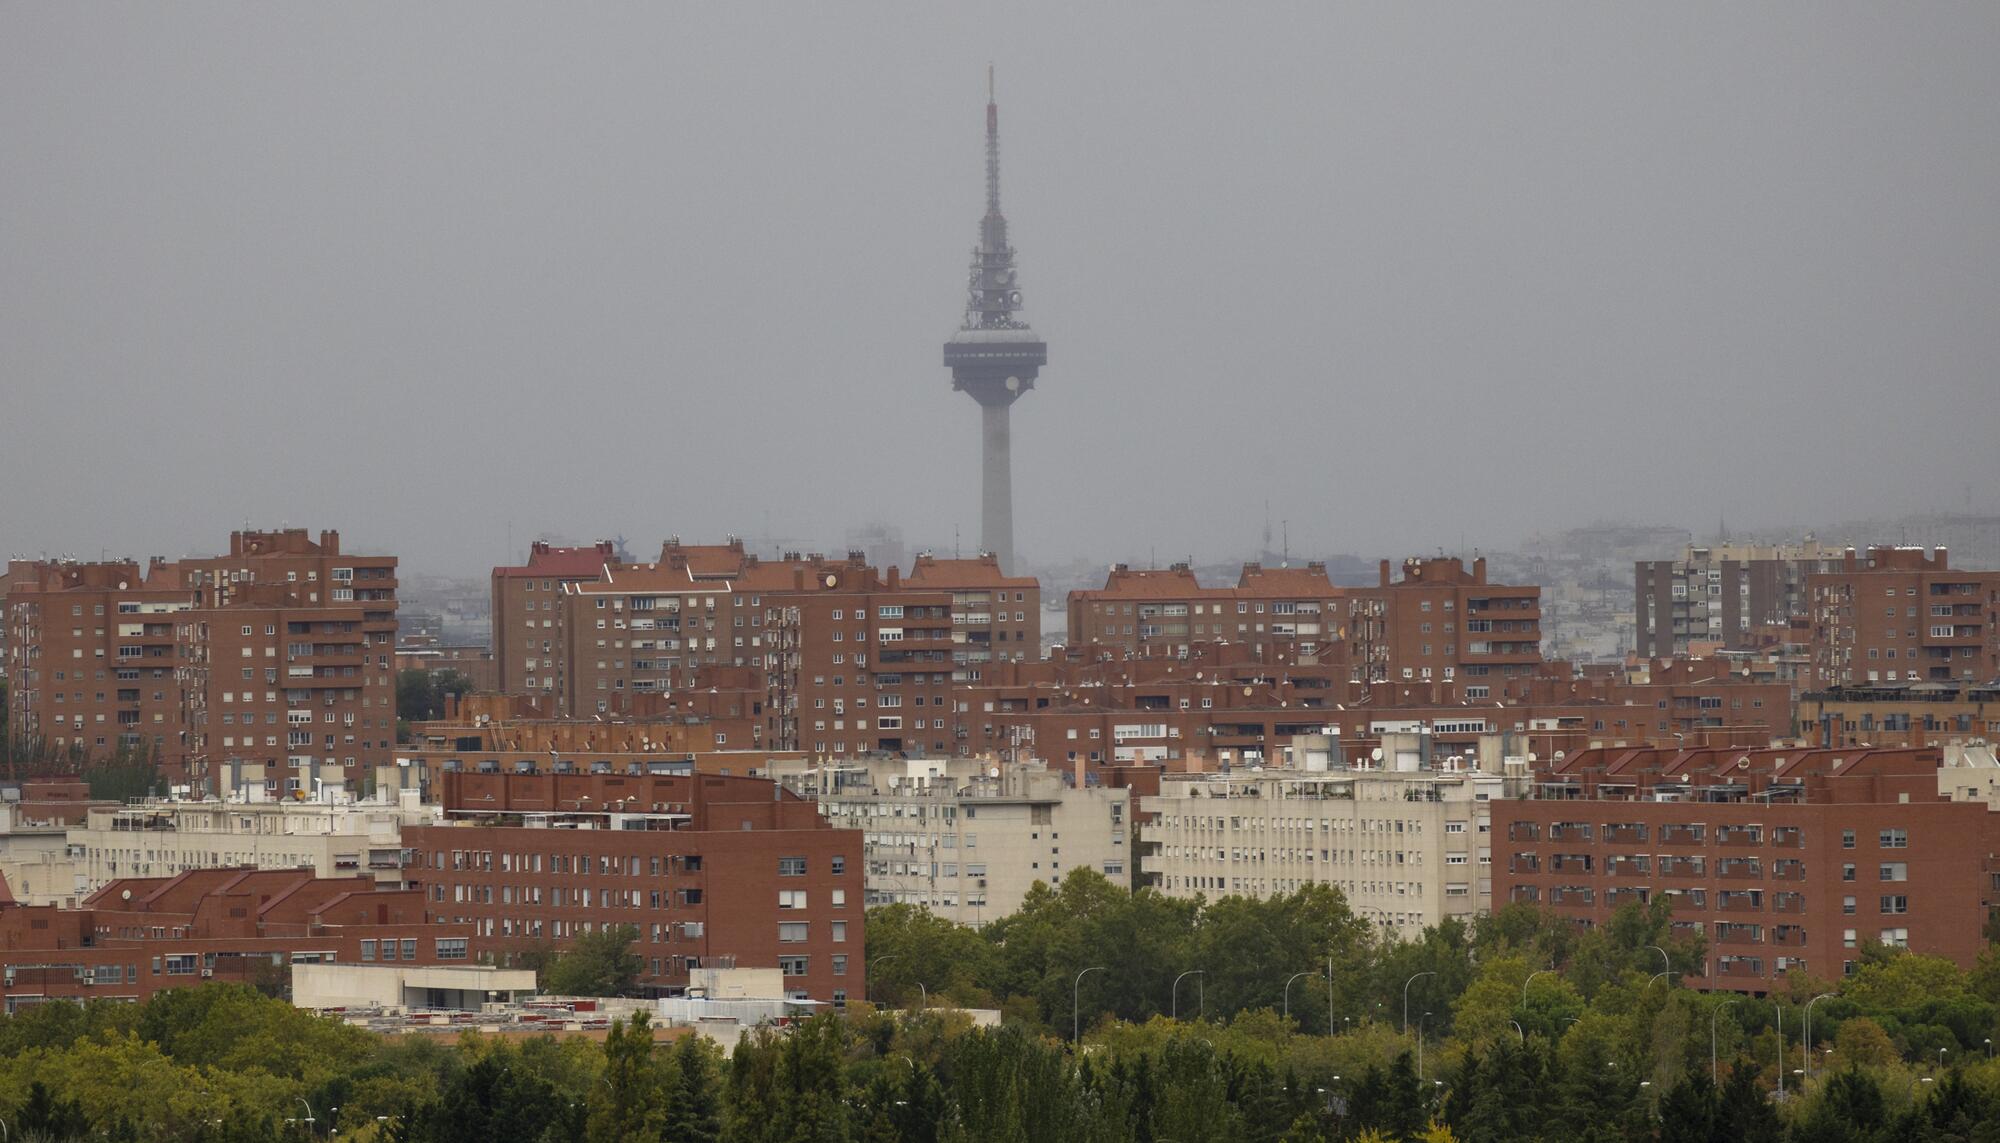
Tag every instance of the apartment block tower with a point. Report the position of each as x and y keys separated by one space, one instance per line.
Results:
x=277 y=653
x=995 y=357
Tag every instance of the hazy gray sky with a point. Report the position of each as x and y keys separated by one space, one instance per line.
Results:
x=428 y=272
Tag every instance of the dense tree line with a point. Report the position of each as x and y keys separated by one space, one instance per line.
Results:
x=1521 y=1028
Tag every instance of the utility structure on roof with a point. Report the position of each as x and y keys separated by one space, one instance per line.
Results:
x=994 y=356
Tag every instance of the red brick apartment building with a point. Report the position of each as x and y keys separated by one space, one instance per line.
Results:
x=1785 y=859
x=836 y=642
x=525 y=615
x=1279 y=613
x=713 y=871
x=210 y=659
x=137 y=936
x=1905 y=714
x=1898 y=614
x=1441 y=622
x=1223 y=704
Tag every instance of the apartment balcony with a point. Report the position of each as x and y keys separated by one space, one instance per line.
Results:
x=1631 y=895
x=1693 y=900
x=1738 y=935
x=1624 y=833
x=1680 y=835
x=1789 y=903
x=1740 y=903
x=1788 y=871
x=1741 y=871
x=1735 y=838
x=1789 y=936
x=1740 y=968
x=1683 y=867
x=1629 y=868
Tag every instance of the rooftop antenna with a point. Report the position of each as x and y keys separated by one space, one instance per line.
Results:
x=1288 y=542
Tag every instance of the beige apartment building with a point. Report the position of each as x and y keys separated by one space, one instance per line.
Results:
x=962 y=837
x=1408 y=842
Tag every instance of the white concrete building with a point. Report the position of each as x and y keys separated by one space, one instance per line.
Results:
x=963 y=837
x=1408 y=842
x=334 y=836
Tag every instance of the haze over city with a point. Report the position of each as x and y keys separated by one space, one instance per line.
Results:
x=455 y=276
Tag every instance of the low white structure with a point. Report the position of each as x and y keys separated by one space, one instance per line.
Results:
x=463 y=987
x=962 y=837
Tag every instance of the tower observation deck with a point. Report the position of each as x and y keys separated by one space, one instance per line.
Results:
x=994 y=356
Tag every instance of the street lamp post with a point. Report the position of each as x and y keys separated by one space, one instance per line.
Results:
x=1806 y=1049
x=1531 y=980
x=1288 y=989
x=1665 y=960
x=1713 y=1013
x=882 y=960
x=1174 y=1003
x=1420 y=1044
x=1779 y=1008
x=1406 y=999
x=1076 y=1004
x=1518 y=1028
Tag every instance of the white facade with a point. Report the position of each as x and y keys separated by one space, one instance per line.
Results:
x=1407 y=848
x=334 y=838
x=966 y=838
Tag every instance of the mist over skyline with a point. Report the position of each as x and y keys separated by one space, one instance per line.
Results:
x=1416 y=277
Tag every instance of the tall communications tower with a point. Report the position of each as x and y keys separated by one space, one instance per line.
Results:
x=994 y=356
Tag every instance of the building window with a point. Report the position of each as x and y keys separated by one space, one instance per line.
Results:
x=840 y=964
x=793 y=932
x=839 y=932
x=1847 y=905
x=791 y=898
x=839 y=865
x=792 y=965
x=1895 y=839
x=1893 y=871
x=1847 y=839
x=791 y=867
x=1895 y=903
x=367 y=950
x=451 y=948
x=1847 y=872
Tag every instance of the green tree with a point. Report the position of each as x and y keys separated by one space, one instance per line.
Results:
x=1689 y=1110
x=694 y=1109
x=632 y=1105
x=48 y=1117
x=1743 y=1113
x=599 y=963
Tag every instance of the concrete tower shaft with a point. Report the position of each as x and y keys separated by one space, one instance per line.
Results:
x=995 y=357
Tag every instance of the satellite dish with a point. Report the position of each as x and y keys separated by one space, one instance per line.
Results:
x=1559 y=755
x=125 y=895
x=993 y=772
x=1375 y=755
x=1015 y=297
x=832 y=580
